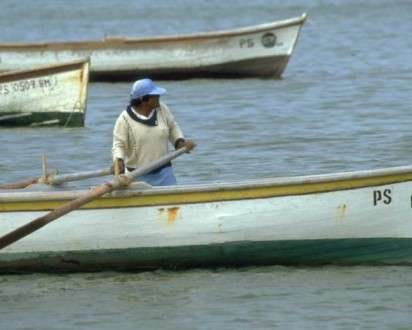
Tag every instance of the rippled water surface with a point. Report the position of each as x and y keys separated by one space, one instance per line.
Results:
x=343 y=104
x=250 y=298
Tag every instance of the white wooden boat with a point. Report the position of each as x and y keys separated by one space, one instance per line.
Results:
x=261 y=50
x=350 y=218
x=49 y=95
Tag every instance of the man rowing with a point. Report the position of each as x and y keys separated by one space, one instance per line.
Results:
x=142 y=133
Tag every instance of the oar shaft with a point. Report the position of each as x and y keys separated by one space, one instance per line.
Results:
x=58 y=179
x=20 y=184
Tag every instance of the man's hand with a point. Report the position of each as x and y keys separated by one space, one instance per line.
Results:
x=188 y=144
x=118 y=166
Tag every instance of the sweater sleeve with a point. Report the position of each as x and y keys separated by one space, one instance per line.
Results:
x=120 y=138
x=175 y=133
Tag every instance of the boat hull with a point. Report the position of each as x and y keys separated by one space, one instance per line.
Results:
x=341 y=220
x=265 y=67
x=343 y=252
x=262 y=51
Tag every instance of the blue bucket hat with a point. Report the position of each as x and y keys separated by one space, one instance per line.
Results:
x=144 y=87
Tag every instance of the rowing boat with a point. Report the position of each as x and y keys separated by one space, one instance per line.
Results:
x=262 y=50
x=350 y=218
x=49 y=95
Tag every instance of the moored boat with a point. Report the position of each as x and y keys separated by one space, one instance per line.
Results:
x=43 y=96
x=257 y=51
x=349 y=218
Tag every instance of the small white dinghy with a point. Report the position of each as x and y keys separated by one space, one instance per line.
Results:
x=43 y=96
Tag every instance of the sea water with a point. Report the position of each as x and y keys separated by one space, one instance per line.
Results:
x=344 y=104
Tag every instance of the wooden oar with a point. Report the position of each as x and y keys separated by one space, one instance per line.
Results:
x=25 y=183
x=47 y=178
x=120 y=181
x=20 y=184
x=57 y=179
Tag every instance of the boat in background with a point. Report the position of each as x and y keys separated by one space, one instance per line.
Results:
x=349 y=218
x=257 y=51
x=43 y=96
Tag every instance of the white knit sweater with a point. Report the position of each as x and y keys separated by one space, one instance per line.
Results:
x=138 y=144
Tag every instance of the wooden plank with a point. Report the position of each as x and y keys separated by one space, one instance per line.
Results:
x=46 y=123
x=19 y=115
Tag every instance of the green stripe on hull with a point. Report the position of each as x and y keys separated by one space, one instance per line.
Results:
x=69 y=119
x=379 y=251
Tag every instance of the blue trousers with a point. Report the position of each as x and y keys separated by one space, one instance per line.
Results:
x=164 y=177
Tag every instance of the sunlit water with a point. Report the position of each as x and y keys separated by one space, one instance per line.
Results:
x=342 y=105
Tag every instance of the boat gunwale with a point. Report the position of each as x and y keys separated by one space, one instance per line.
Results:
x=117 y=41
x=9 y=76
x=28 y=196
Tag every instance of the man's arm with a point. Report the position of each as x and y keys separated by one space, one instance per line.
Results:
x=120 y=143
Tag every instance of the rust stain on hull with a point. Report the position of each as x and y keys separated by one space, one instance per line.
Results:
x=170 y=214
